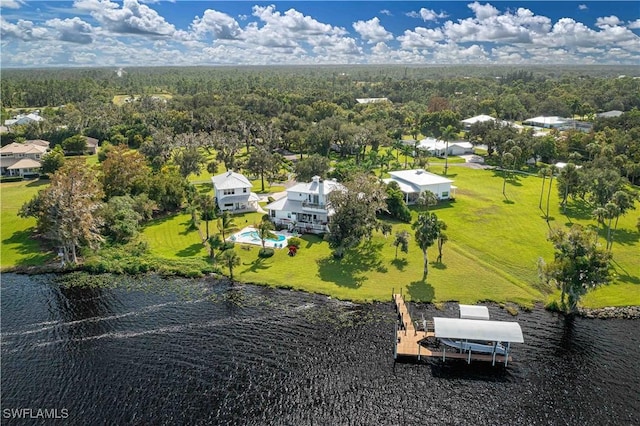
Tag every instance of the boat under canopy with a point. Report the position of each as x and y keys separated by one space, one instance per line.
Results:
x=469 y=329
x=474 y=312
x=472 y=335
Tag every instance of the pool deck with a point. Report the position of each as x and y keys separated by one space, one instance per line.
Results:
x=239 y=238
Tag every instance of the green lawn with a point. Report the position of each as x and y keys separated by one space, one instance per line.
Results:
x=19 y=248
x=492 y=254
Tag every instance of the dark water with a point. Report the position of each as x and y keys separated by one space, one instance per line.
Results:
x=200 y=352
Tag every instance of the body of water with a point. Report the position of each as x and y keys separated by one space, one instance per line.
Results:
x=205 y=352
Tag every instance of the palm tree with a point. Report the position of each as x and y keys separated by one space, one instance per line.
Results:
x=552 y=171
x=226 y=224
x=231 y=259
x=448 y=133
x=507 y=159
x=426 y=199
x=406 y=151
x=264 y=229
x=442 y=238
x=427 y=228
x=544 y=172
x=401 y=241
x=207 y=211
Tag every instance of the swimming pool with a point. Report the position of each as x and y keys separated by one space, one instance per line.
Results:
x=249 y=235
x=255 y=237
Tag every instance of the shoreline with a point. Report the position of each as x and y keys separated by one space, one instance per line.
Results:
x=609 y=312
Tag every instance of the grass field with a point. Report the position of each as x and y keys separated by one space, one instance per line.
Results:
x=19 y=248
x=492 y=254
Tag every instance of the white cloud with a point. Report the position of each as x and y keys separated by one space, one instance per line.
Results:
x=386 y=12
x=420 y=38
x=427 y=15
x=73 y=30
x=221 y=25
x=294 y=21
x=634 y=25
x=520 y=27
x=132 y=18
x=11 y=4
x=22 y=30
x=483 y=11
x=583 y=7
x=608 y=21
x=372 y=31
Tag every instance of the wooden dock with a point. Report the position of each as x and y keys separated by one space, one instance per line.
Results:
x=410 y=341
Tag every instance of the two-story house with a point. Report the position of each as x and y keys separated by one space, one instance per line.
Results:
x=22 y=159
x=232 y=191
x=304 y=209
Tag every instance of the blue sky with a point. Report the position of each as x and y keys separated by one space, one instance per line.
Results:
x=153 y=33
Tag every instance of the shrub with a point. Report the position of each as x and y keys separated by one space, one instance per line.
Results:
x=11 y=179
x=227 y=245
x=295 y=241
x=265 y=252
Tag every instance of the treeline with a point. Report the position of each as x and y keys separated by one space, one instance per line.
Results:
x=469 y=90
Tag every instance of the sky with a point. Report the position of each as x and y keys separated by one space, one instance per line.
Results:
x=92 y=33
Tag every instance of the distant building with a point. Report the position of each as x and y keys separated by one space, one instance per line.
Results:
x=553 y=122
x=24 y=119
x=371 y=100
x=467 y=123
x=414 y=182
x=437 y=147
x=610 y=114
x=92 y=145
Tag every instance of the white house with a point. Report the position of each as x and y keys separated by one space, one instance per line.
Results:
x=414 y=182
x=304 y=208
x=467 y=123
x=22 y=159
x=552 y=122
x=232 y=191
x=438 y=147
x=23 y=119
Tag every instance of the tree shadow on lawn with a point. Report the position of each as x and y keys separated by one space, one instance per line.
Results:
x=513 y=179
x=438 y=265
x=350 y=271
x=37 y=183
x=192 y=250
x=578 y=209
x=421 y=291
x=32 y=254
x=625 y=236
x=311 y=240
x=400 y=264
x=257 y=265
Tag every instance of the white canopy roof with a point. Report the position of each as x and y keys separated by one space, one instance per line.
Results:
x=491 y=331
x=474 y=312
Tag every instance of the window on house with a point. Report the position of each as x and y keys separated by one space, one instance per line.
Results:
x=445 y=195
x=244 y=190
x=229 y=191
x=273 y=213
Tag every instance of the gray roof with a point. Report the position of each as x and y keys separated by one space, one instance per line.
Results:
x=469 y=329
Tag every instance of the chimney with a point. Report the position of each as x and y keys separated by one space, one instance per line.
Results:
x=320 y=191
